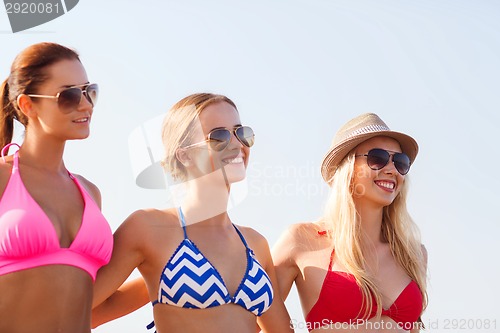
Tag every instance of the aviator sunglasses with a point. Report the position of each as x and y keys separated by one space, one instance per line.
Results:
x=218 y=139
x=378 y=158
x=70 y=98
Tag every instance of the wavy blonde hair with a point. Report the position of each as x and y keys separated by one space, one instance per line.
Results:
x=398 y=229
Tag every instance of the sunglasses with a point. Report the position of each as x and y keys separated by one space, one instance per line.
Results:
x=70 y=98
x=219 y=138
x=378 y=158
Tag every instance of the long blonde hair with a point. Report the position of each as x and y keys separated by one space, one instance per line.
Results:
x=398 y=229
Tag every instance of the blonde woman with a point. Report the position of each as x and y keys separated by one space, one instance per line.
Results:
x=201 y=272
x=362 y=267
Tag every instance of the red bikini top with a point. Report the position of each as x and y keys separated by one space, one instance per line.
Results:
x=340 y=301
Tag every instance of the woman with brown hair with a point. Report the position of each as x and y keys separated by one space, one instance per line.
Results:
x=53 y=237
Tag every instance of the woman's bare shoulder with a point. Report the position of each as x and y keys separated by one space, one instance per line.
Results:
x=300 y=239
x=153 y=216
x=305 y=231
x=255 y=240
x=5 y=171
x=90 y=187
x=144 y=225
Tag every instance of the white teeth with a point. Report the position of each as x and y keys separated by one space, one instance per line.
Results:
x=83 y=120
x=386 y=185
x=234 y=160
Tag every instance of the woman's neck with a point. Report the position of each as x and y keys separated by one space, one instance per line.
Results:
x=206 y=201
x=42 y=154
x=371 y=224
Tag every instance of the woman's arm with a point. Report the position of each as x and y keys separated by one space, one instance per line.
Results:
x=276 y=319
x=131 y=296
x=416 y=329
x=127 y=255
x=284 y=261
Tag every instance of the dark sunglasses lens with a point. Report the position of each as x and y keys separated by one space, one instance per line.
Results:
x=245 y=135
x=69 y=98
x=377 y=159
x=219 y=139
x=402 y=163
x=91 y=93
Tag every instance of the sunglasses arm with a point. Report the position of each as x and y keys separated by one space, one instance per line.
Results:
x=44 y=96
x=195 y=144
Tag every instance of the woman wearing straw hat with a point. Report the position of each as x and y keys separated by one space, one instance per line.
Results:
x=361 y=267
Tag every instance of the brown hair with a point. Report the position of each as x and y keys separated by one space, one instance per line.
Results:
x=179 y=126
x=27 y=73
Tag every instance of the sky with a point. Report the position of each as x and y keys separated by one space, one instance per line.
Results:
x=297 y=71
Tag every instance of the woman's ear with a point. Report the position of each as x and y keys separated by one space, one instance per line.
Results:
x=25 y=105
x=183 y=156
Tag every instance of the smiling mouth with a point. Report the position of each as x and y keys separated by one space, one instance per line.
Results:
x=82 y=120
x=385 y=184
x=235 y=160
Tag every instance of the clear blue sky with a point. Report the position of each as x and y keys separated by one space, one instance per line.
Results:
x=298 y=70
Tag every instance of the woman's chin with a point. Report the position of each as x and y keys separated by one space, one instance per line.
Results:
x=235 y=172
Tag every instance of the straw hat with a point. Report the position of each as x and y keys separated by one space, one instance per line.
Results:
x=354 y=132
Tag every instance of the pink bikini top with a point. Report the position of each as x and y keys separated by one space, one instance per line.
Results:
x=28 y=238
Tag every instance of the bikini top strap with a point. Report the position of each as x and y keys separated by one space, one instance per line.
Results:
x=331 y=260
x=5 y=150
x=183 y=221
x=241 y=236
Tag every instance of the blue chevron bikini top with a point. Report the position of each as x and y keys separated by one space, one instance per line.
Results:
x=189 y=280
